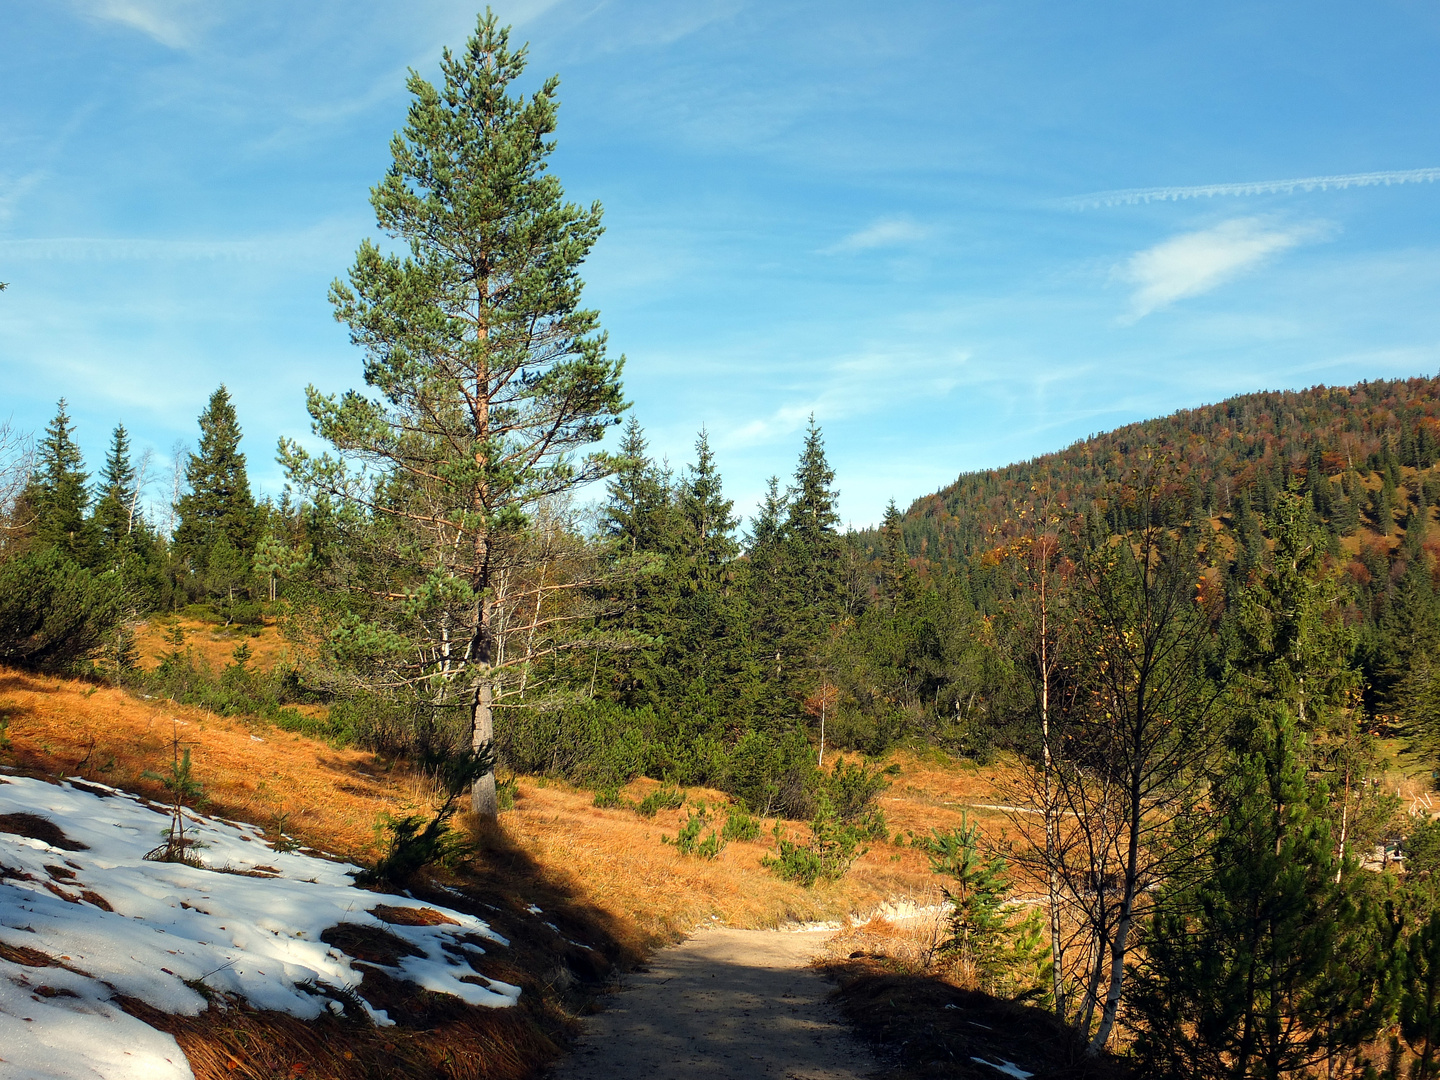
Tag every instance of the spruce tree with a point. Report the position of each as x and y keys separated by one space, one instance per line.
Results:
x=814 y=554
x=897 y=577
x=490 y=382
x=55 y=501
x=765 y=594
x=637 y=519
x=218 y=504
x=1263 y=968
x=115 y=512
x=1420 y=996
x=639 y=496
x=706 y=523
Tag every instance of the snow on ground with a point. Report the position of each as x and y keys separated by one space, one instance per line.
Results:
x=121 y=926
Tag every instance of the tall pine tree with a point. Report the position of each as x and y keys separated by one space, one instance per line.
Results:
x=707 y=527
x=115 y=512
x=814 y=567
x=55 y=502
x=218 y=505
x=491 y=384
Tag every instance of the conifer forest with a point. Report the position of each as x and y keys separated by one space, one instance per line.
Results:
x=1198 y=640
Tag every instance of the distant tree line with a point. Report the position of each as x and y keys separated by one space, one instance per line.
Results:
x=216 y=547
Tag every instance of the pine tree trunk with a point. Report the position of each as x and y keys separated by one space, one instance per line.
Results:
x=1127 y=911
x=1052 y=882
x=482 y=718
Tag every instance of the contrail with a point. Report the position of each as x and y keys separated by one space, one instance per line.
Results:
x=1132 y=196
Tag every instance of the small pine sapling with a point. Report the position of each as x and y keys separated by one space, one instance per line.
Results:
x=740 y=826
x=182 y=785
x=832 y=849
x=176 y=655
x=662 y=798
x=1004 y=955
x=689 y=841
x=283 y=841
x=123 y=648
x=413 y=843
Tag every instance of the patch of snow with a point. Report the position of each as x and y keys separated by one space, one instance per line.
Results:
x=533 y=910
x=174 y=927
x=82 y=1036
x=1009 y=1068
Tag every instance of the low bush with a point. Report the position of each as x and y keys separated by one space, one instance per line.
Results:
x=412 y=843
x=739 y=825
x=832 y=849
x=240 y=690
x=664 y=797
x=55 y=614
x=689 y=840
x=608 y=798
x=1422 y=846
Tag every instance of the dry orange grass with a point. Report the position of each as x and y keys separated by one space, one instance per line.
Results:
x=210 y=642
x=613 y=858
x=251 y=772
x=616 y=858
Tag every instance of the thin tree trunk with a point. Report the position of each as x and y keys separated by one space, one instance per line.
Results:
x=483 y=799
x=1344 y=823
x=1052 y=880
x=1135 y=812
x=822 y=727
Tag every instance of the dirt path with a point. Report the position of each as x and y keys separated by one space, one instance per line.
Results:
x=724 y=1004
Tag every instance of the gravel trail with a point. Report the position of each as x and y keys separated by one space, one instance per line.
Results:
x=724 y=1004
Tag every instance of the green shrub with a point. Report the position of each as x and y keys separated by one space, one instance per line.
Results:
x=1008 y=955
x=689 y=840
x=54 y=613
x=793 y=862
x=505 y=792
x=239 y=690
x=832 y=849
x=1422 y=846
x=608 y=798
x=413 y=843
x=853 y=789
x=664 y=797
x=739 y=825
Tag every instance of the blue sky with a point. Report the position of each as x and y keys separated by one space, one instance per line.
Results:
x=902 y=218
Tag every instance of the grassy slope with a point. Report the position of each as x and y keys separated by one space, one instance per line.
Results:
x=601 y=875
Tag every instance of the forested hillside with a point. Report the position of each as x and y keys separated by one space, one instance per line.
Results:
x=1251 y=445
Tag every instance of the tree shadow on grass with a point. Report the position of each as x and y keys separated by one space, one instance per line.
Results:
x=560 y=950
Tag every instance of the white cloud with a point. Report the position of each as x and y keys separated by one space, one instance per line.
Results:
x=174 y=23
x=1196 y=262
x=886 y=232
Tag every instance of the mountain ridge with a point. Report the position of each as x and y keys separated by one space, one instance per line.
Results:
x=1250 y=444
